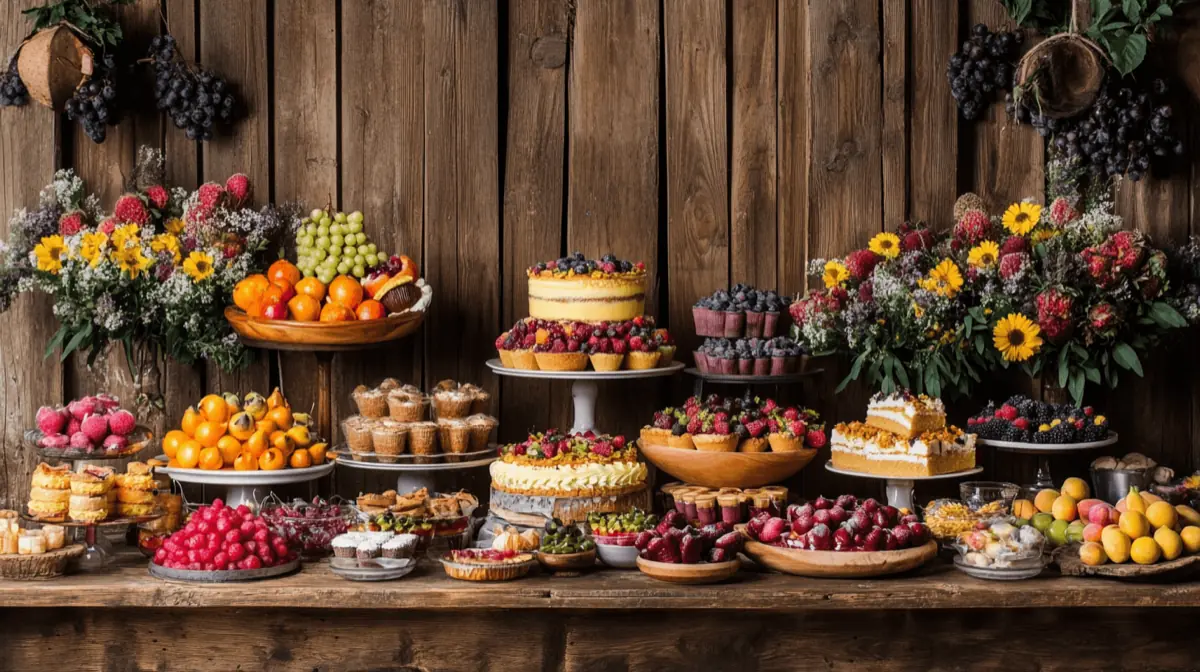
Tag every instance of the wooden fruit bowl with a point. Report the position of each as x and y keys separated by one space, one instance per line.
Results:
x=699 y=573
x=293 y=335
x=838 y=564
x=726 y=470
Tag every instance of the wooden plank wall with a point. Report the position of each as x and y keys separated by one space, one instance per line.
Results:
x=716 y=140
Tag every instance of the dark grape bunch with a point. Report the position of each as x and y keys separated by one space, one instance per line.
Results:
x=983 y=65
x=196 y=99
x=94 y=104
x=12 y=89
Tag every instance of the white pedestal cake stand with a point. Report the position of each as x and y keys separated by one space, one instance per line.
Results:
x=900 y=490
x=1044 y=451
x=583 y=387
x=410 y=477
x=240 y=486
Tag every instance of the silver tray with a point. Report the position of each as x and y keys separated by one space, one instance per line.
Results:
x=384 y=569
x=999 y=573
x=226 y=576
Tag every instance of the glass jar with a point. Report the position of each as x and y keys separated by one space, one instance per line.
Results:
x=779 y=497
x=689 y=506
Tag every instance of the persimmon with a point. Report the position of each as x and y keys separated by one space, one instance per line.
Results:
x=255 y=405
x=283 y=443
x=188 y=455
x=281 y=416
x=370 y=310
x=304 y=308
x=230 y=448
x=283 y=270
x=209 y=433
x=300 y=460
x=346 y=291
x=233 y=405
x=266 y=425
x=191 y=420
x=248 y=291
x=271 y=460
x=241 y=426
x=214 y=408
x=245 y=461
x=311 y=287
x=336 y=312
x=171 y=442
x=276 y=399
x=210 y=459
x=258 y=443
x=317 y=452
x=300 y=435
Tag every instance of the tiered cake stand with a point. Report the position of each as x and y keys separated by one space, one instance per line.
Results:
x=900 y=490
x=1044 y=451
x=241 y=487
x=583 y=386
x=97 y=552
x=411 y=475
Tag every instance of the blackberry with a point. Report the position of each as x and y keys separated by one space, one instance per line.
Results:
x=1012 y=433
x=1060 y=433
x=741 y=431
x=1094 y=432
x=679 y=429
x=993 y=429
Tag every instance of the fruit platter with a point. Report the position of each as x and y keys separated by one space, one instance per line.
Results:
x=222 y=544
x=90 y=428
x=677 y=552
x=737 y=442
x=566 y=549
x=310 y=526
x=842 y=538
x=615 y=534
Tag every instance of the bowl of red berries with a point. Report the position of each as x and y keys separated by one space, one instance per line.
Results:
x=308 y=526
x=222 y=544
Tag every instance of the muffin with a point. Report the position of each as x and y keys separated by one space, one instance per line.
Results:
x=422 y=441
x=390 y=438
x=400 y=547
x=404 y=407
x=358 y=434
x=455 y=436
x=368 y=550
x=452 y=403
x=481 y=402
x=92 y=481
x=389 y=384
x=371 y=403
x=344 y=546
x=481 y=427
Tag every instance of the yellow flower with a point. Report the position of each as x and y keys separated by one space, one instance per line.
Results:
x=1042 y=235
x=124 y=235
x=50 y=253
x=944 y=279
x=918 y=311
x=984 y=255
x=174 y=226
x=165 y=242
x=198 y=265
x=1020 y=218
x=1016 y=337
x=132 y=260
x=835 y=274
x=885 y=245
x=90 y=246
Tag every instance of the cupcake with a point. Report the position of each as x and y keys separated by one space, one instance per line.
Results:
x=389 y=384
x=358 y=435
x=406 y=407
x=422 y=441
x=453 y=403
x=455 y=436
x=344 y=546
x=482 y=403
x=371 y=403
x=400 y=547
x=389 y=438
x=481 y=427
x=368 y=550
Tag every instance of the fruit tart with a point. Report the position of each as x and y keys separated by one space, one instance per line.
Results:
x=486 y=564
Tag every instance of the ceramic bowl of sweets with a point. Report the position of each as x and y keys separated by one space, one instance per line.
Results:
x=614 y=535
x=308 y=526
x=1004 y=548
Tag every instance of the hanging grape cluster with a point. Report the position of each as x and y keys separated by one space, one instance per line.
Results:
x=984 y=64
x=94 y=104
x=12 y=89
x=196 y=99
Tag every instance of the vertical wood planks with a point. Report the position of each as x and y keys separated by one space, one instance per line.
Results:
x=534 y=179
x=753 y=202
x=793 y=134
x=28 y=156
x=933 y=126
x=895 y=112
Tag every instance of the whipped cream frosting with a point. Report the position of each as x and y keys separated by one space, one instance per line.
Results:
x=568 y=477
x=918 y=450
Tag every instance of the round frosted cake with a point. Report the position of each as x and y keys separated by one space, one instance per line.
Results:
x=575 y=289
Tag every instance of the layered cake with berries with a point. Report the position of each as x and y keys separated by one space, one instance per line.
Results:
x=567 y=476
x=1024 y=420
x=905 y=414
x=577 y=289
x=574 y=346
x=745 y=424
x=858 y=446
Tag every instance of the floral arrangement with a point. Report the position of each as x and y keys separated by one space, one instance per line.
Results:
x=1060 y=292
x=155 y=271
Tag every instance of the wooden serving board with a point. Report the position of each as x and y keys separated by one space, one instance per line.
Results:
x=697 y=574
x=837 y=564
x=726 y=470
x=1180 y=569
x=37 y=567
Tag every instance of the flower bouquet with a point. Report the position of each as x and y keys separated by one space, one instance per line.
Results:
x=155 y=272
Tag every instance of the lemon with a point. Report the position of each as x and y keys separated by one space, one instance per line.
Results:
x=1145 y=551
x=1134 y=524
x=1169 y=541
x=1191 y=538
x=1162 y=514
x=1077 y=488
x=1116 y=544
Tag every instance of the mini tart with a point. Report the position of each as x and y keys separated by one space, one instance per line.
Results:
x=753 y=445
x=716 y=443
x=683 y=441
x=405 y=407
x=655 y=436
x=561 y=361
x=92 y=482
x=126 y=496
x=783 y=443
x=49 y=496
x=371 y=403
x=506 y=359
x=135 y=510
x=606 y=361
x=52 y=478
x=486 y=565
x=524 y=359
x=638 y=360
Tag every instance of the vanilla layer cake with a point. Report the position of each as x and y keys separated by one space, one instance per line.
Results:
x=584 y=298
x=905 y=414
x=566 y=478
x=860 y=447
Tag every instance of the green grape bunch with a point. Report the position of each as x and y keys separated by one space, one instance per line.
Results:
x=330 y=243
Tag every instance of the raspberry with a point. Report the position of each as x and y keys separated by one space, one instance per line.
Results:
x=559 y=347
x=602 y=448
x=662 y=420
x=529 y=341
x=792 y=413
x=619 y=347
x=1021 y=423
x=572 y=345
x=815 y=438
x=797 y=428
x=769 y=405
x=694 y=425
x=636 y=343
x=721 y=428
x=756 y=428
x=1007 y=412
x=500 y=341
x=773 y=426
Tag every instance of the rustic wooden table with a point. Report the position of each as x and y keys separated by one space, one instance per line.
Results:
x=936 y=618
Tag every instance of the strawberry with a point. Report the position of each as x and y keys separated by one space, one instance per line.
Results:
x=693 y=426
x=636 y=343
x=756 y=428
x=772 y=426
x=690 y=548
x=572 y=345
x=721 y=428
x=792 y=413
x=815 y=438
x=618 y=442
x=769 y=405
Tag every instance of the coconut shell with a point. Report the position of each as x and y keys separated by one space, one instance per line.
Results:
x=1061 y=76
x=398 y=295
x=52 y=64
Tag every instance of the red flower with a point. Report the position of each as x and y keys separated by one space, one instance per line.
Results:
x=130 y=209
x=860 y=263
x=920 y=239
x=158 y=196
x=1054 y=314
x=1011 y=264
x=973 y=228
x=1062 y=212
x=70 y=223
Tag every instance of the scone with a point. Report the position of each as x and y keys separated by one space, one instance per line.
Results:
x=92 y=481
x=47 y=509
x=52 y=478
x=134 y=510
x=88 y=509
x=125 y=496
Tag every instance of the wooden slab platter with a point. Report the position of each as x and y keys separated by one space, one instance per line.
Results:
x=38 y=567
x=726 y=470
x=290 y=334
x=1183 y=568
x=697 y=574
x=837 y=564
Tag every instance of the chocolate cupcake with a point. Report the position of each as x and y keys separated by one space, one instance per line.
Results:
x=405 y=407
x=390 y=439
x=481 y=427
x=372 y=403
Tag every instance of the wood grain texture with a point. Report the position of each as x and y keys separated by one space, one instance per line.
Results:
x=382 y=164
x=233 y=41
x=793 y=134
x=305 y=136
x=753 y=224
x=29 y=153
x=534 y=183
x=895 y=138
x=933 y=122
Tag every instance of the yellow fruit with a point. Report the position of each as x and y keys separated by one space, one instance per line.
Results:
x=1044 y=500
x=241 y=426
x=255 y=405
x=1188 y=515
x=230 y=448
x=1063 y=508
x=276 y=400
x=1169 y=541
x=214 y=408
x=1116 y=544
x=1191 y=538
x=1145 y=551
x=172 y=441
x=191 y=420
x=1162 y=514
x=232 y=403
x=1023 y=508
x=302 y=419
x=1092 y=554
x=281 y=416
x=1134 y=524
x=300 y=435
x=208 y=433
x=1077 y=488
x=1134 y=501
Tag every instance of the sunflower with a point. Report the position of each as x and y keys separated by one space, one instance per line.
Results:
x=165 y=242
x=1020 y=218
x=198 y=266
x=984 y=255
x=50 y=253
x=132 y=260
x=174 y=226
x=1016 y=337
x=885 y=245
x=944 y=279
x=90 y=245
x=124 y=235
x=835 y=274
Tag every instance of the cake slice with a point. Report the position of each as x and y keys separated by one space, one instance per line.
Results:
x=906 y=415
x=857 y=446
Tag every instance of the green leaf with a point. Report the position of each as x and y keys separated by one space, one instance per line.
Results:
x=933 y=382
x=1133 y=10
x=1164 y=10
x=856 y=368
x=968 y=324
x=980 y=344
x=1019 y=10
x=1063 y=366
x=902 y=375
x=842 y=385
x=1127 y=358
x=79 y=337
x=1165 y=314
x=1092 y=374
x=1076 y=387
x=56 y=340
x=1127 y=51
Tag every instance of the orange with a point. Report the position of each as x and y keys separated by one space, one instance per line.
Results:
x=317 y=453
x=304 y=308
x=281 y=416
x=283 y=443
x=173 y=464
x=241 y=426
x=258 y=443
x=373 y=283
x=208 y=433
x=300 y=459
x=245 y=461
x=346 y=291
x=211 y=460
x=191 y=420
x=370 y=310
x=249 y=290
x=311 y=287
x=230 y=448
x=214 y=408
x=409 y=267
x=336 y=312
x=266 y=426
x=172 y=441
x=189 y=454
x=283 y=270
x=277 y=399
x=271 y=460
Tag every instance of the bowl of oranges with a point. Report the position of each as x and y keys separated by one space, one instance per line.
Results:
x=284 y=309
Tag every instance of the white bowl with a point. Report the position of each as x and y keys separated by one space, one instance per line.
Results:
x=621 y=557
